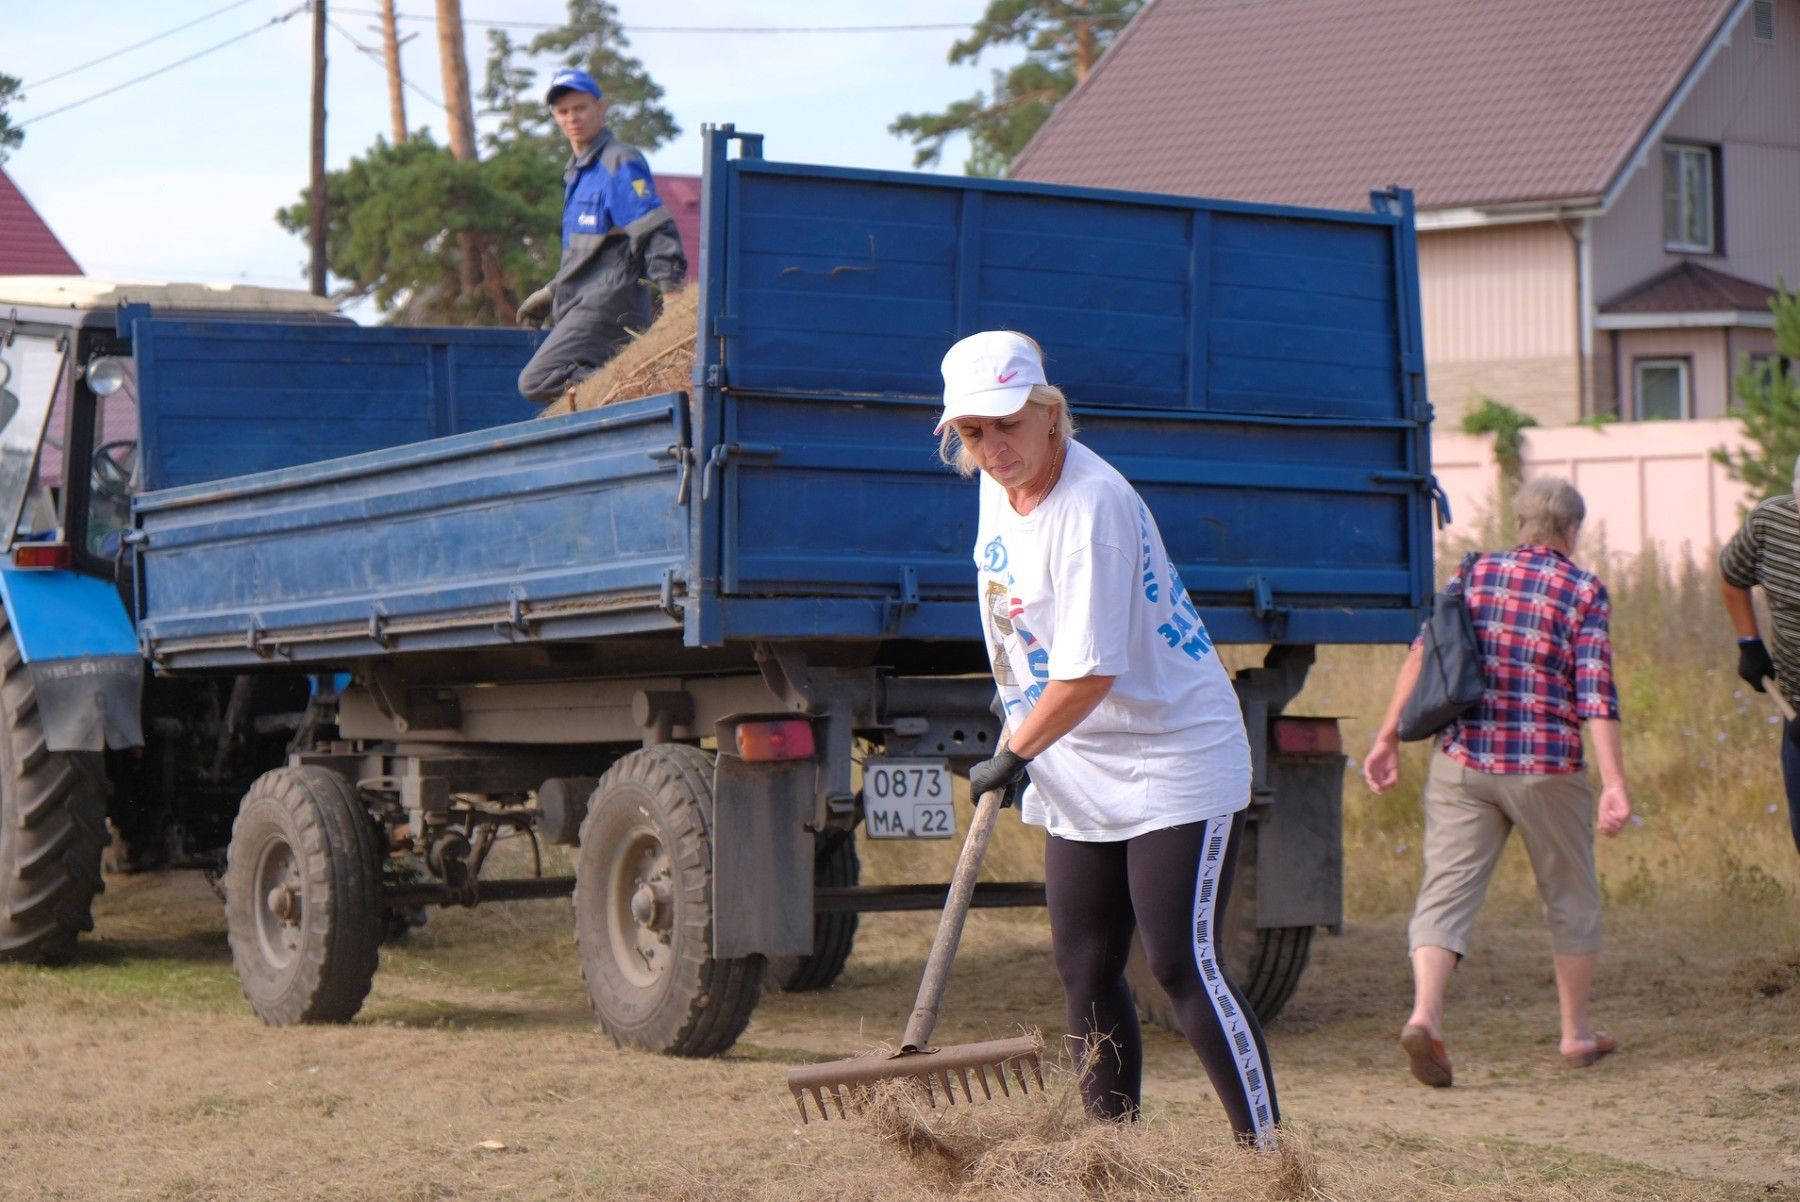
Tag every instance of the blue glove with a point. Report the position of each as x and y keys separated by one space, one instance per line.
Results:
x=1005 y=772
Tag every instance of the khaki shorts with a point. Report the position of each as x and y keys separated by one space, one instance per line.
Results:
x=1468 y=815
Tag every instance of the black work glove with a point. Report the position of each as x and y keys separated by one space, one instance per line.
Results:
x=1754 y=663
x=1005 y=772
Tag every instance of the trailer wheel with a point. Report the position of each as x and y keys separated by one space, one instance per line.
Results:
x=643 y=909
x=835 y=863
x=303 y=897
x=52 y=826
x=1265 y=962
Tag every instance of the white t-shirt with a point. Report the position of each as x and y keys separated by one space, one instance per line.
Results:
x=1083 y=586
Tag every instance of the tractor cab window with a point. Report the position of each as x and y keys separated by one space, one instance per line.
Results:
x=113 y=465
x=32 y=376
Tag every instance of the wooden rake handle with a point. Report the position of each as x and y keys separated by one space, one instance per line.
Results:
x=950 y=924
x=1781 y=702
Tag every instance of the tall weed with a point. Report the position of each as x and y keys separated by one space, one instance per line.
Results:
x=1701 y=757
x=1701 y=752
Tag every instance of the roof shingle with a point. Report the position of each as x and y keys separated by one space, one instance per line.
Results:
x=1689 y=287
x=27 y=247
x=1468 y=102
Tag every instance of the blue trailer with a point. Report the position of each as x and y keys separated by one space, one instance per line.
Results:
x=700 y=636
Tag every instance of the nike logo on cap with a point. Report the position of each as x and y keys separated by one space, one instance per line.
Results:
x=1008 y=376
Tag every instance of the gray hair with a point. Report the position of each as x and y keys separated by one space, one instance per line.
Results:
x=1548 y=508
x=950 y=445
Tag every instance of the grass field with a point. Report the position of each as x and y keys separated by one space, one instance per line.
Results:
x=474 y=1071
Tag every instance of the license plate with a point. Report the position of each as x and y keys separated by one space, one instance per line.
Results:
x=908 y=799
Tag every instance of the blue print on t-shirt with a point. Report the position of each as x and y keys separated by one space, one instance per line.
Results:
x=1150 y=585
x=1184 y=629
x=993 y=556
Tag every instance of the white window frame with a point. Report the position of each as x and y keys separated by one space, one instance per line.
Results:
x=1683 y=381
x=1675 y=154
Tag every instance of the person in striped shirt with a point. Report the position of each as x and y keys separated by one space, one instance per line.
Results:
x=1515 y=759
x=1766 y=551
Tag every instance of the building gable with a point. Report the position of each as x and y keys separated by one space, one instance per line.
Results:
x=1470 y=103
x=27 y=246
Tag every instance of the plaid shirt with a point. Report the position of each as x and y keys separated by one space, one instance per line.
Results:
x=1547 y=656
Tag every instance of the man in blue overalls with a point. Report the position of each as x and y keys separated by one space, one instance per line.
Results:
x=617 y=240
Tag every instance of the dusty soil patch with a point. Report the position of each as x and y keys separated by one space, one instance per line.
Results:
x=475 y=1071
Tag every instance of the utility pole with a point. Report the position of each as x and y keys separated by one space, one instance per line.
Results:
x=316 y=203
x=390 y=45
x=458 y=105
x=460 y=110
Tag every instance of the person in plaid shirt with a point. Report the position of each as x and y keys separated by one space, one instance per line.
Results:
x=1515 y=759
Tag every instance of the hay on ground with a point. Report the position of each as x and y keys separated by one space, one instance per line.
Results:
x=661 y=359
x=1044 y=1146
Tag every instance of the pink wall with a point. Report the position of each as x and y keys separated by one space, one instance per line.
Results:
x=1711 y=356
x=1650 y=482
x=1500 y=292
x=1499 y=312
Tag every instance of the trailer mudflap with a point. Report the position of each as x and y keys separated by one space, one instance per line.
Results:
x=1303 y=833
x=762 y=857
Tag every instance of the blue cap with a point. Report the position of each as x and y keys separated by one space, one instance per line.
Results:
x=571 y=79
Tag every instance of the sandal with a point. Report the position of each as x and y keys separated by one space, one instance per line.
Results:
x=1426 y=1056
x=1604 y=1045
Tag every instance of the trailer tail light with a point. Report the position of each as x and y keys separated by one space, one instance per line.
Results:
x=44 y=555
x=1307 y=736
x=782 y=739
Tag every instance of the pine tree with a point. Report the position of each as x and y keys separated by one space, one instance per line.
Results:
x=1063 y=39
x=1768 y=396
x=397 y=215
x=595 y=41
x=10 y=135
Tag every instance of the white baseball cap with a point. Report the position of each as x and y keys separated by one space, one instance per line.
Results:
x=989 y=374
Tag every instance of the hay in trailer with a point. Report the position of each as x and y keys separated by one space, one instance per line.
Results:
x=661 y=359
x=1044 y=1146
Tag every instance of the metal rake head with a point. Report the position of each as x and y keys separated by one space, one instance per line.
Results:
x=847 y=1084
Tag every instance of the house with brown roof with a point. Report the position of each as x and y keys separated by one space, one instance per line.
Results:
x=27 y=246
x=1608 y=190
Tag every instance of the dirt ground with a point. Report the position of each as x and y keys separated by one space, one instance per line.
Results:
x=474 y=1071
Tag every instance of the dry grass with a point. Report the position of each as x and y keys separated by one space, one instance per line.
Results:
x=139 y=1074
x=661 y=359
x=1043 y=1145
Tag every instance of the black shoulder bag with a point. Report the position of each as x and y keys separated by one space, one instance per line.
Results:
x=1450 y=679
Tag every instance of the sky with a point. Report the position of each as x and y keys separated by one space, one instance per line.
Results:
x=178 y=177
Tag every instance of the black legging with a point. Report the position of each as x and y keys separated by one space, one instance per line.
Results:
x=1172 y=885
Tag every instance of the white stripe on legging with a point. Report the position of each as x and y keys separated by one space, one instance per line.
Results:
x=1231 y=1020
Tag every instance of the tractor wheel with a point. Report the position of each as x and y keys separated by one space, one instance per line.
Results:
x=834 y=864
x=52 y=826
x=303 y=897
x=643 y=909
x=1265 y=962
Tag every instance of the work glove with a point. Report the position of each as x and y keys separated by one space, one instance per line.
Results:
x=1005 y=772
x=1754 y=663
x=534 y=308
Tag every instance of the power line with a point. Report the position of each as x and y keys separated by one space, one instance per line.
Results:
x=369 y=12
x=374 y=53
x=217 y=12
x=269 y=24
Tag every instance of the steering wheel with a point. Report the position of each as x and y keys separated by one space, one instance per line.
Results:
x=114 y=463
